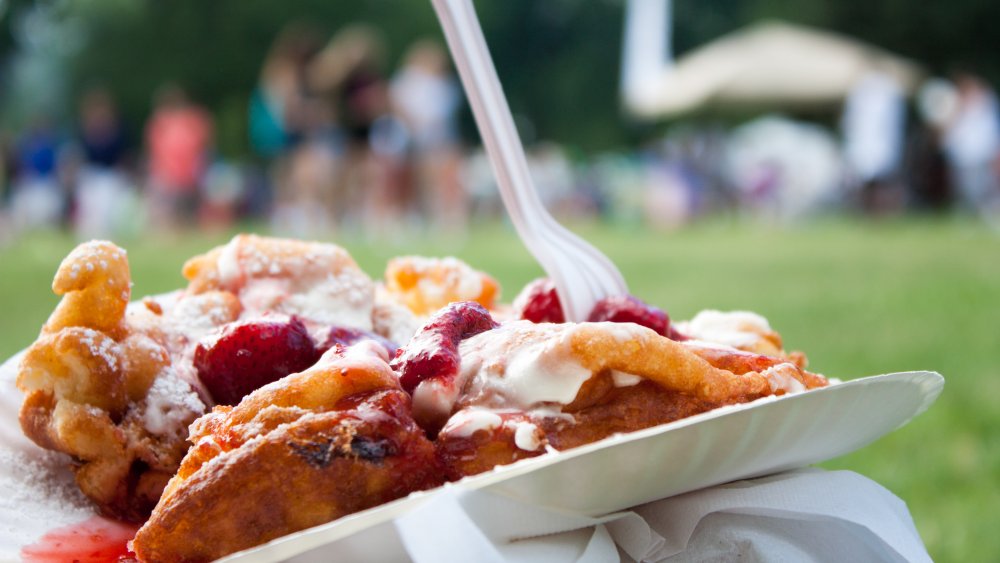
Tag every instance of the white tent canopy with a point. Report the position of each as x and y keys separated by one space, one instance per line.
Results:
x=764 y=65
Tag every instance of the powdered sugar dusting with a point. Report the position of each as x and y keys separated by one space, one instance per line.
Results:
x=459 y=279
x=171 y=404
x=394 y=321
x=38 y=487
x=101 y=346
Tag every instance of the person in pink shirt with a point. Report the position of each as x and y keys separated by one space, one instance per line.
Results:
x=178 y=139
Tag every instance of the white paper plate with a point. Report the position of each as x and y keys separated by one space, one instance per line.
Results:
x=742 y=441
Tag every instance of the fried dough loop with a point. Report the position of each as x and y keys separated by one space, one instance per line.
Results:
x=88 y=381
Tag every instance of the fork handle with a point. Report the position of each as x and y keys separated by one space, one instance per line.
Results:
x=536 y=227
x=490 y=109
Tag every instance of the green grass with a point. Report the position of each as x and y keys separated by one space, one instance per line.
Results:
x=859 y=298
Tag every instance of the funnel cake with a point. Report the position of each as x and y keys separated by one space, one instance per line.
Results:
x=314 y=446
x=115 y=384
x=290 y=342
x=524 y=388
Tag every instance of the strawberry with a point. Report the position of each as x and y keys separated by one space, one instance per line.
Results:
x=539 y=303
x=246 y=355
x=628 y=309
x=433 y=351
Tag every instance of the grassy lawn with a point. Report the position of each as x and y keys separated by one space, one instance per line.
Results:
x=860 y=299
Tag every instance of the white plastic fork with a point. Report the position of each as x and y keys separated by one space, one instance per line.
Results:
x=582 y=274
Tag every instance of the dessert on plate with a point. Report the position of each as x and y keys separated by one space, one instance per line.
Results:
x=284 y=388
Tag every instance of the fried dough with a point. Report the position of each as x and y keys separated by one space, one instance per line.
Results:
x=315 y=446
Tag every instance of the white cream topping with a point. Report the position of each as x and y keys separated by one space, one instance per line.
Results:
x=622 y=379
x=624 y=332
x=171 y=405
x=732 y=328
x=782 y=378
x=434 y=399
x=229 y=264
x=528 y=437
x=467 y=422
x=520 y=365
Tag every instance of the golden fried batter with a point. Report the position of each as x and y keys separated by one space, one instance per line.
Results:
x=316 y=281
x=300 y=452
x=91 y=382
x=613 y=378
x=425 y=285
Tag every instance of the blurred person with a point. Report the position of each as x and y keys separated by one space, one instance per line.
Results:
x=873 y=125
x=37 y=197
x=369 y=189
x=427 y=97
x=784 y=169
x=224 y=189
x=278 y=109
x=299 y=209
x=103 y=198
x=971 y=142
x=927 y=166
x=7 y=167
x=178 y=138
x=290 y=128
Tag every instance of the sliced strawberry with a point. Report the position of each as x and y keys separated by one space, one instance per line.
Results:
x=433 y=351
x=539 y=303
x=247 y=355
x=628 y=309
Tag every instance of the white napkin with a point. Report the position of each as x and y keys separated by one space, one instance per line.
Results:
x=802 y=515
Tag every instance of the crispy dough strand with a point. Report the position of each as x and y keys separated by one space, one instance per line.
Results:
x=664 y=361
x=332 y=378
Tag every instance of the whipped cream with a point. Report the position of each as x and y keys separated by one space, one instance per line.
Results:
x=739 y=329
x=466 y=422
x=782 y=378
x=519 y=365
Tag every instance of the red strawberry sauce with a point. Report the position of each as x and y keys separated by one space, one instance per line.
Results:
x=97 y=540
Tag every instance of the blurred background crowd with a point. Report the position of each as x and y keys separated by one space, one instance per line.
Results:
x=118 y=117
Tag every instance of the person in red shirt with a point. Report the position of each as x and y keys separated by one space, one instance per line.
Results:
x=178 y=139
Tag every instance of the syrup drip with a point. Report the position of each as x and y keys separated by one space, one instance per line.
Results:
x=97 y=540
